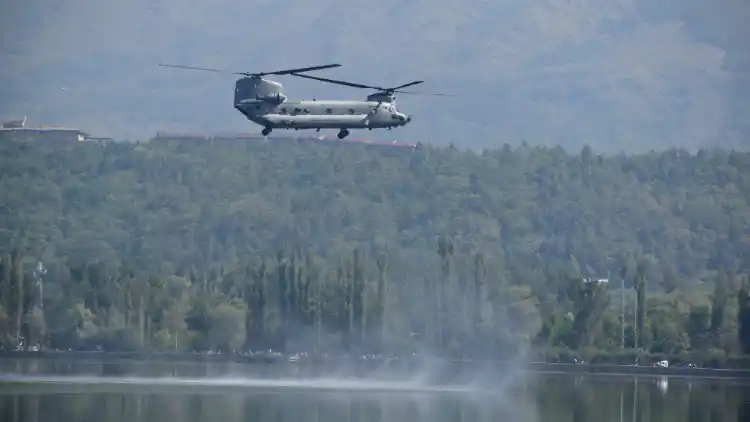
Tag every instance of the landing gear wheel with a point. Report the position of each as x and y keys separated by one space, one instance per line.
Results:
x=265 y=131
x=343 y=133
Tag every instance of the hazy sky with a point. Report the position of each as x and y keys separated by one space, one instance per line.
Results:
x=533 y=69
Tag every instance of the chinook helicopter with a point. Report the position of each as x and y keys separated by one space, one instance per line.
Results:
x=263 y=102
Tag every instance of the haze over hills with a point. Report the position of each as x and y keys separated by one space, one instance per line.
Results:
x=618 y=75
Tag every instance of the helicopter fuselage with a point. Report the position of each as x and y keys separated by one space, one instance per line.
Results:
x=263 y=103
x=323 y=114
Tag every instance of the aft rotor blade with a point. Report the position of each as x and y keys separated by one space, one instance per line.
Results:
x=435 y=94
x=298 y=70
x=405 y=85
x=334 y=81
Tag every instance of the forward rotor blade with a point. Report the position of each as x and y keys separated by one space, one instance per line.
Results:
x=333 y=81
x=299 y=70
x=193 y=68
x=278 y=72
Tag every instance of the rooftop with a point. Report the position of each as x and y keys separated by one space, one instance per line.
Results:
x=14 y=124
x=43 y=129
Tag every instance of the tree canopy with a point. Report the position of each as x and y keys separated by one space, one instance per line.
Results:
x=298 y=245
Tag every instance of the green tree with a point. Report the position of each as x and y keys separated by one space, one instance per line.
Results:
x=227 y=327
x=743 y=298
x=718 y=304
x=698 y=327
x=383 y=298
x=641 y=306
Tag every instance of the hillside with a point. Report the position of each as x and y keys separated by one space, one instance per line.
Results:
x=623 y=75
x=240 y=244
x=199 y=203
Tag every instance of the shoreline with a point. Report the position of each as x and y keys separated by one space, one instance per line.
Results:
x=361 y=365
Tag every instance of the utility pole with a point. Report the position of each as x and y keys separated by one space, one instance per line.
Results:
x=636 y=332
x=622 y=312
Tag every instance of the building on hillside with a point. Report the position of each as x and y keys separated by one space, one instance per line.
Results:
x=238 y=137
x=596 y=280
x=16 y=130
x=257 y=137
x=180 y=136
x=98 y=139
x=54 y=134
x=376 y=143
x=15 y=124
x=370 y=142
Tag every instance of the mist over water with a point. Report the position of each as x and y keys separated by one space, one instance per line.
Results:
x=256 y=399
x=249 y=392
x=350 y=376
x=311 y=384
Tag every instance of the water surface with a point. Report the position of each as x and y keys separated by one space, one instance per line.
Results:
x=45 y=396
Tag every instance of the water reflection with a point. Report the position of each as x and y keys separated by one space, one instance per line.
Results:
x=542 y=399
x=277 y=407
x=662 y=383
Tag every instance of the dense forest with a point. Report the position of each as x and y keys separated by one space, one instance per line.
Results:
x=308 y=246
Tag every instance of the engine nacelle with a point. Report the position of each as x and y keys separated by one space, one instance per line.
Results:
x=381 y=97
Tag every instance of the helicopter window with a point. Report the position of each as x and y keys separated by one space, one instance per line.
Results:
x=329 y=110
x=394 y=116
x=306 y=111
x=351 y=111
x=297 y=110
x=283 y=111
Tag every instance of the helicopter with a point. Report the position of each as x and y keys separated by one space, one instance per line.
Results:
x=262 y=101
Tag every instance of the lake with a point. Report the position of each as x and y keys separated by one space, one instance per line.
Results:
x=232 y=393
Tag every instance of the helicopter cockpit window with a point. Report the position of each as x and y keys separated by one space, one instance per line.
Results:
x=283 y=111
